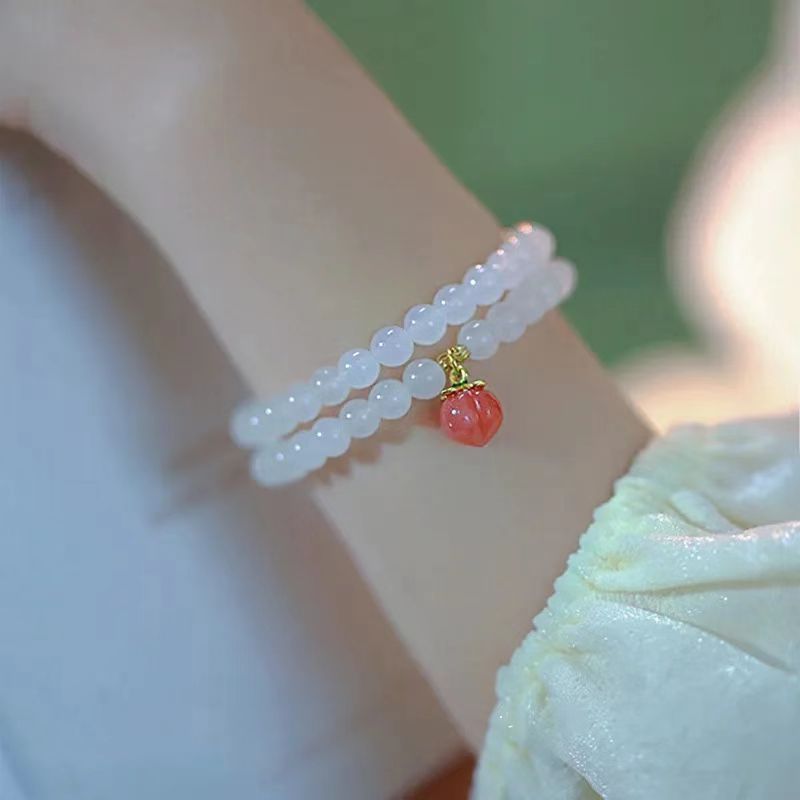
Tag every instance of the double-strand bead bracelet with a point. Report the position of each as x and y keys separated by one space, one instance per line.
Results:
x=517 y=285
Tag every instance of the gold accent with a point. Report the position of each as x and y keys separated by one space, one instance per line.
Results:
x=461 y=387
x=452 y=362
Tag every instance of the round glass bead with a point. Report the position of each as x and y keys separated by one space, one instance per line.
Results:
x=391 y=397
x=565 y=277
x=510 y=263
x=549 y=290
x=426 y=324
x=424 y=378
x=361 y=417
x=333 y=436
x=480 y=338
x=331 y=385
x=556 y=283
x=303 y=401
x=507 y=320
x=256 y=423
x=485 y=283
x=274 y=466
x=306 y=451
x=457 y=302
x=529 y=299
x=392 y=346
x=536 y=242
x=359 y=367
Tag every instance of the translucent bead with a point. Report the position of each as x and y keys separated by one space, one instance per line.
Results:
x=392 y=346
x=497 y=264
x=331 y=385
x=536 y=242
x=284 y=406
x=510 y=262
x=485 y=283
x=557 y=283
x=566 y=277
x=306 y=451
x=361 y=417
x=333 y=436
x=507 y=320
x=511 y=236
x=257 y=423
x=303 y=402
x=424 y=378
x=457 y=302
x=391 y=397
x=480 y=338
x=359 y=367
x=426 y=324
x=274 y=466
x=530 y=300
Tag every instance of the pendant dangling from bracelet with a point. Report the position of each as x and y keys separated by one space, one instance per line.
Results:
x=470 y=413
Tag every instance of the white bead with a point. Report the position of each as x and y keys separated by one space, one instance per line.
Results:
x=359 y=367
x=480 y=338
x=557 y=283
x=361 y=417
x=426 y=324
x=566 y=277
x=424 y=378
x=536 y=242
x=529 y=299
x=303 y=402
x=391 y=397
x=331 y=385
x=306 y=451
x=511 y=263
x=392 y=346
x=256 y=423
x=507 y=320
x=274 y=466
x=484 y=281
x=457 y=302
x=333 y=436
x=497 y=264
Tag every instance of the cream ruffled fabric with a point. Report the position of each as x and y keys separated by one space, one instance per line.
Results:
x=665 y=666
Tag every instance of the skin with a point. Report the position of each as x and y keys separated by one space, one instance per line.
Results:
x=302 y=213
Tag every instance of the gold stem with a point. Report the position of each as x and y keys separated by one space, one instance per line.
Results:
x=452 y=362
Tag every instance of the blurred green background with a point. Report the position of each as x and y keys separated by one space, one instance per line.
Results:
x=582 y=114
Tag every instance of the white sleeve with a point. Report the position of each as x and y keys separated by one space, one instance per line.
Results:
x=666 y=663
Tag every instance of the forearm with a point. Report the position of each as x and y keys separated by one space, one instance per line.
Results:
x=302 y=213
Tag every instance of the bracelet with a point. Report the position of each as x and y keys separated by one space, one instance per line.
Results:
x=518 y=284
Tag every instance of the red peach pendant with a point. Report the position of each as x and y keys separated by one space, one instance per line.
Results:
x=471 y=416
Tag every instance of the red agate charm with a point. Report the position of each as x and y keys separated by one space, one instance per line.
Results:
x=470 y=413
x=471 y=416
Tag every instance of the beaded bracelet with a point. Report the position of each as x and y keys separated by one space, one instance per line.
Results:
x=518 y=284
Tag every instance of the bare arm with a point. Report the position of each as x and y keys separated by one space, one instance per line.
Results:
x=302 y=213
